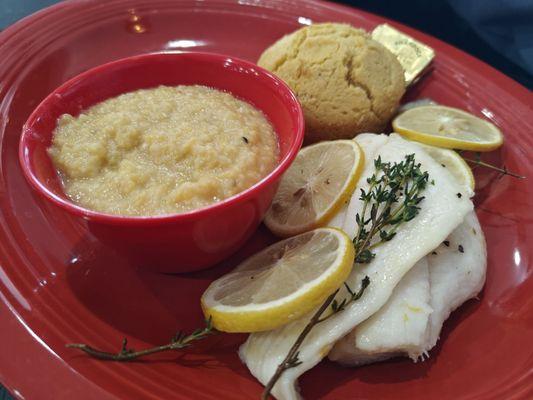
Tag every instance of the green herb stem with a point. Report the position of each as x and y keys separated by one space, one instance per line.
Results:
x=503 y=170
x=179 y=341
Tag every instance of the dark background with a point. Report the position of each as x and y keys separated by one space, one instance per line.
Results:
x=499 y=32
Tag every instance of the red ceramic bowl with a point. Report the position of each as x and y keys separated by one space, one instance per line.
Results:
x=178 y=242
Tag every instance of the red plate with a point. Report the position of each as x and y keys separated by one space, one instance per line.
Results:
x=59 y=285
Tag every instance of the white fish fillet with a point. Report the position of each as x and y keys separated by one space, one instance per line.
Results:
x=399 y=327
x=337 y=221
x=441 y=212
x=456 y=277
x=370 y=143
x=404 y=325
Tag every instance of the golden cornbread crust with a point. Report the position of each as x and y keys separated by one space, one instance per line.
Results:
x=346 y=82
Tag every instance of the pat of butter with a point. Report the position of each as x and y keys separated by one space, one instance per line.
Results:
x=414 y=56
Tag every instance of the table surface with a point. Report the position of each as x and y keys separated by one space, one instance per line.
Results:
x=457 y=31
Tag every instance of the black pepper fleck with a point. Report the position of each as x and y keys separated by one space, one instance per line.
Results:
x=461 y=249
x=327 y=181
x=245 y=139
x=446 y=243
x=459 y=195
x=443 y=166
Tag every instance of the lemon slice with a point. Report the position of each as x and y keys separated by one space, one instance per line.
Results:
x=314 y=188
x=281 y=283
x=454 y=163
x=448 y=127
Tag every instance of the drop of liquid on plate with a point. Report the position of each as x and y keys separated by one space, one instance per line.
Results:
x=136 y=23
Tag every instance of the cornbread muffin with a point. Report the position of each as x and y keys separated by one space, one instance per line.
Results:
x=346 y=82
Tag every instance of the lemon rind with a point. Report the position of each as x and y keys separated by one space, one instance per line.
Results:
x=453 y=154
x=346 y=192
x=446 y=141
x=271 y=315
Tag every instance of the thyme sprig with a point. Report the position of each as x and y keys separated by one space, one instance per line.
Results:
x=178 y=341
x=480 y=163
x=391 y=183
x=393 y=198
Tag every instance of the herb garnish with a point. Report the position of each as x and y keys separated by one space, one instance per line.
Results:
x=479 y=163
x=179 y=341
x=392 y=198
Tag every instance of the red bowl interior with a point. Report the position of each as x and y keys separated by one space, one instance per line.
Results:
x=243 y=79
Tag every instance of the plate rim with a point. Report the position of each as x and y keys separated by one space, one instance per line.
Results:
x=14 y=328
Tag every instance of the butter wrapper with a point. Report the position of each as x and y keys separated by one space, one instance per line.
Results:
x=415 y=57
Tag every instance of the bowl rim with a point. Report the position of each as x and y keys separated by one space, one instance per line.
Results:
x=115 y=219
